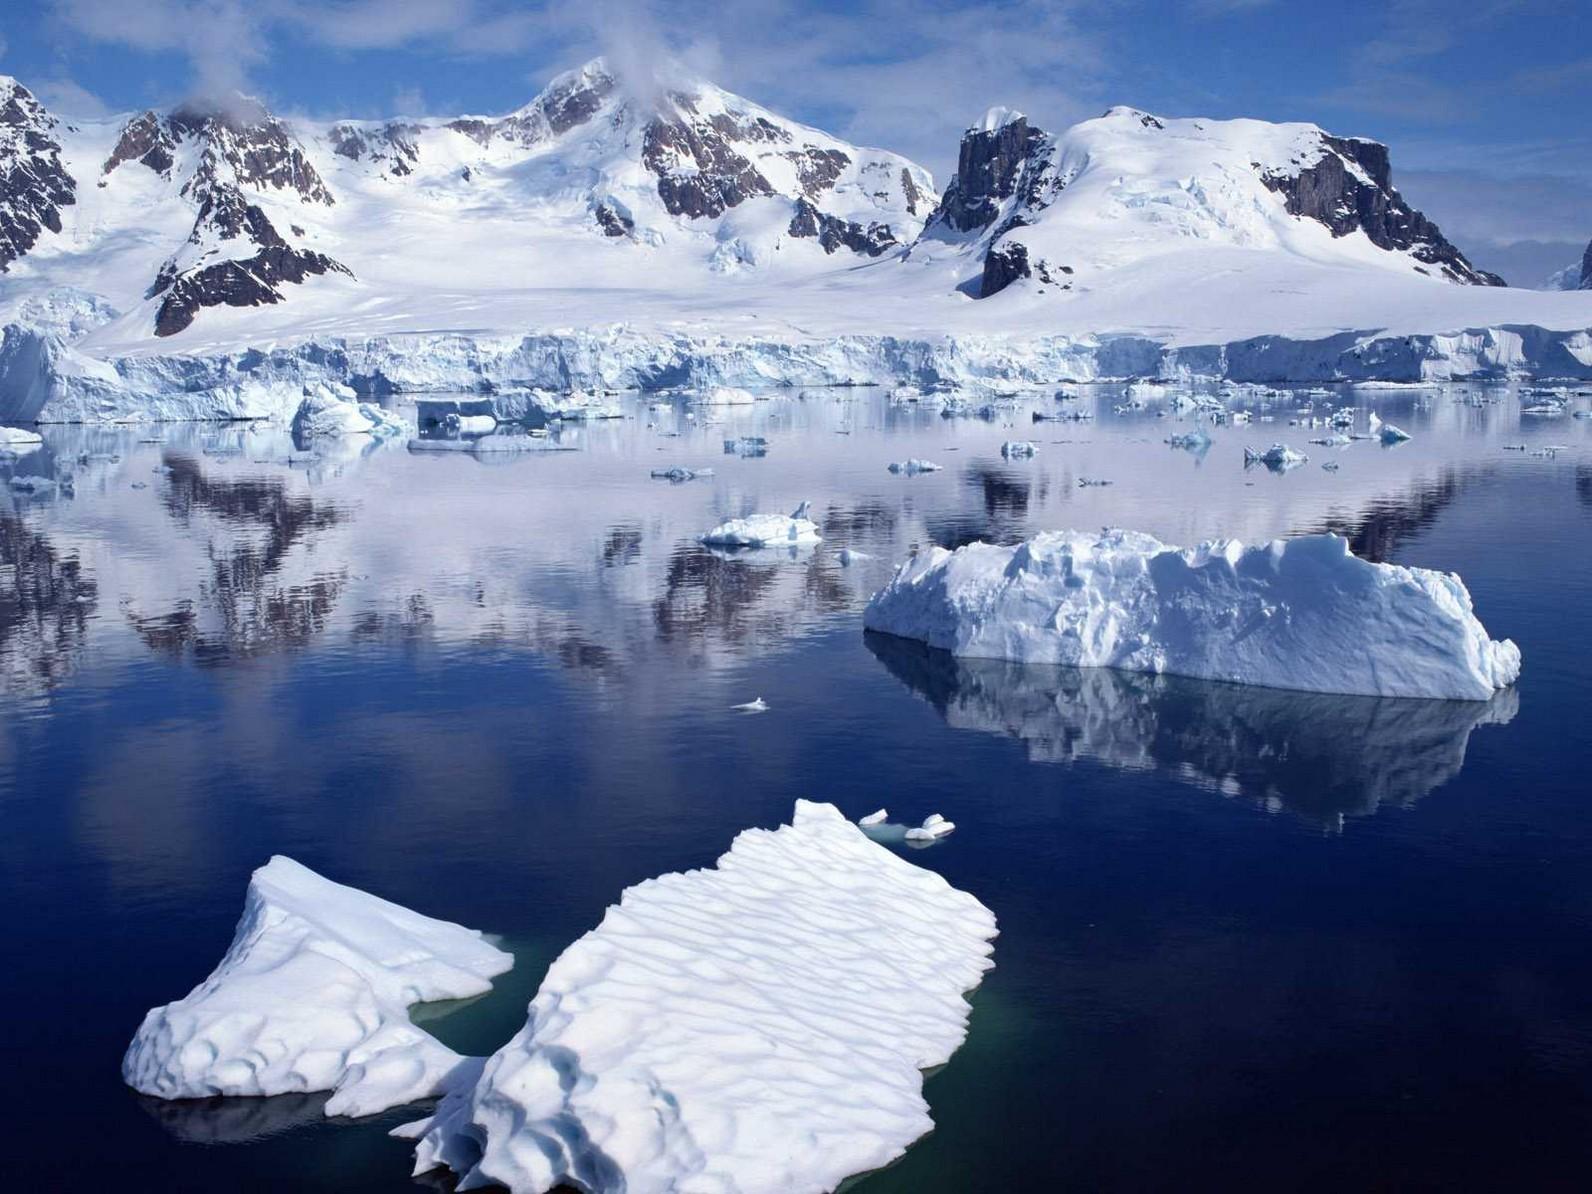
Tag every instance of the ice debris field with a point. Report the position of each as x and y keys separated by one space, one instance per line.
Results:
x=700 y=1038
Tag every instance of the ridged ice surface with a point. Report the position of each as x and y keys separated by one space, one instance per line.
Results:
x=313 y=996
x=1301 y=613
x=757 y=1026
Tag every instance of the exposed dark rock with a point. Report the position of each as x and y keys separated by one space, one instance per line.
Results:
x=227 y=215
x=34 y=186
x=817 y=169
x=699 y=172
x=1350 y=189
x=1008 y=261
x=147 y=140
x=1586 y=268
x=992 y=166
x=569 y=102
x=394 y=145
x=479 y=131
x=255 y=145
x=834 y=233
x=613 y=220
x=910 y=190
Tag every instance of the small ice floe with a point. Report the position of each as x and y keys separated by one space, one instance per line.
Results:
x=16 y=441
x=755 y=705
x=905 y=394
x=1514 y=447
x=1375 y=421
x=765 y=530
x=746 y=445
x=679 y=473
x=877 y=817
x=1279 y=458
x=783 y=970
x=724 y=396
x=1333 y=441
x=850 y=555
x=934 y=826
x=1017 y=449
x=1390 y=435
x=1330 y=465
x=1192 y=441
x=33 y=485
x=1094 y=482
x=456 y=424
x=313 y=995
x=913 y=466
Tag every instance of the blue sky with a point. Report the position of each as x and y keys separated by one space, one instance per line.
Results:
x=1485 y=104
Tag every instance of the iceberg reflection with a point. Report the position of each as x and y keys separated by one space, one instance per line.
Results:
x=1322 y=756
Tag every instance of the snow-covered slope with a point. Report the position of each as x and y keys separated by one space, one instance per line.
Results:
x=1574 y=277
x=1065 y=212
x=209 y=261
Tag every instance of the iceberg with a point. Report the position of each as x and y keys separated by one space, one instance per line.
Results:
x=1301 y=614
x=765 y=530
x=1391 y=435
x=1279 y=458
x=913 y=467
x=332 y=413
x=313 y=995
x=17 y=441
x=1016 y=449
x=758 y=1026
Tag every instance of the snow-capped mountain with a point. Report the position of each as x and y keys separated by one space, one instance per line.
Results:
x=1064 y=211
x=167 y=214
x=1573 y=277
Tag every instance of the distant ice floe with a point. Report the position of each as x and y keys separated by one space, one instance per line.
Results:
x=332 y=412
x=757 y=1026
x=1390 y=435
x=913 y=467
x=1019 y=449
x=1302 y=614
x=766 y=530
x=17 y=441
x=755 y=705
x=313 y=995
x=1279 y=458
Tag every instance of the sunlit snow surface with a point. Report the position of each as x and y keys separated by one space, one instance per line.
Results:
x=758 y=1026
x=1302 y=614
x=313 y=996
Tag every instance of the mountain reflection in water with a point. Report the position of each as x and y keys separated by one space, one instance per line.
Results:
x=1324 y=757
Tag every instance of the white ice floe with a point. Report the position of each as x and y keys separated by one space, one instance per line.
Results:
x=765 y=530
x=755 y=705
x=756 y=1027
x=1279 y=457
x=461 y=424
x=933 y=828
x=1016 y=449
x=913 y=466
x=15 y=441
x=877 y=817
x=680 y=473
x=1389 y=434
x=1301 y=613
x=313 y=995
x=724 y=396
x=331 y=412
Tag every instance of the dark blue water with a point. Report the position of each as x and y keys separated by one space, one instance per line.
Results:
x=1247 y=937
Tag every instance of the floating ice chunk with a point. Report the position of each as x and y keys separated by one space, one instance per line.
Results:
x=850 y=555
x=905 y=394
x=1338 y=440
x=1014 y=449
x=759 y=1026
x=312 y=996
x=459 y=424
x=679 y=473
x=1279 y=458
x=16 y=441
x=746 y=445
x=1302 y=613
x=765 y=530
x=1392 y=435
x=913 y=466
x=1192 y=441
x=1330 y=466
x=755 y=705
x=877 y=817
x=934 y=827
x=33 y=485
x=724 y=396
x=326 y=413
x=1375 y=421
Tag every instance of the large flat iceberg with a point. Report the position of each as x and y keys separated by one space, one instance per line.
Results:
x=1303 y=613
x=756 y=1027
x=313 y=996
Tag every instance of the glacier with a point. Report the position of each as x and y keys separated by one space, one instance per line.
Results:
x=1298 y=614
x=760 y=1026
x=313 y=995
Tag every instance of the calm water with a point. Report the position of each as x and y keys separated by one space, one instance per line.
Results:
x=1247 y=937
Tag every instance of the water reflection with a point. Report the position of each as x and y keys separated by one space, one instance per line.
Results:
x=245 y=608
x=1377 y=533
x=234 y=1120
x=1320 y=756
x=46 y=601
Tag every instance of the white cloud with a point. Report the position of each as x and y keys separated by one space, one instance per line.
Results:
x=69 y=98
